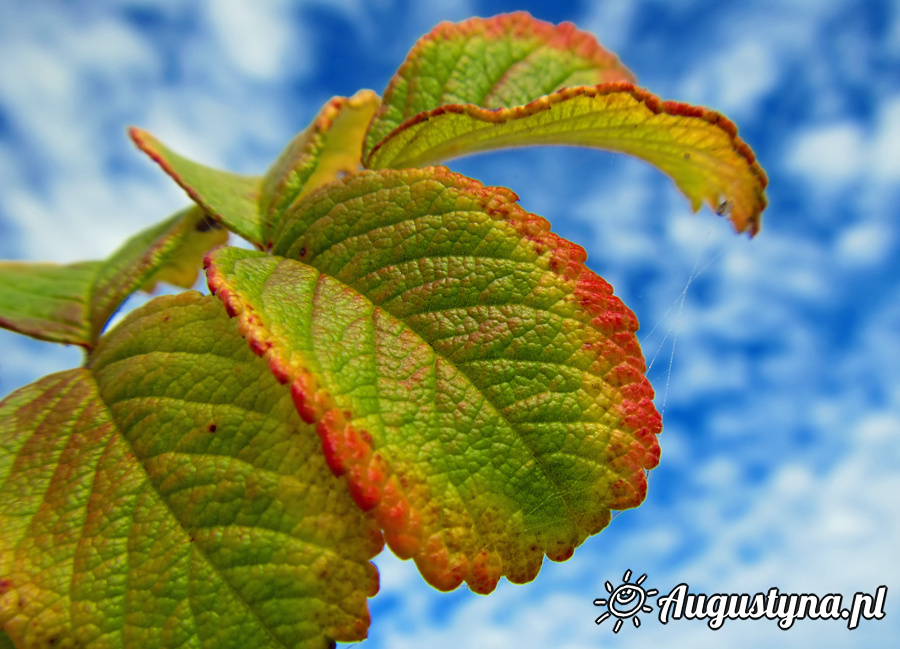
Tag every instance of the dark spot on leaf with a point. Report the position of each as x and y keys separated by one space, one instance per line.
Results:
x=725 y=208
x=211 y=428
x=303 y=251
x=687 y=156
x=206 y=224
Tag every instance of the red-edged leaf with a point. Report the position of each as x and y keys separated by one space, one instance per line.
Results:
x=698 y=148
x=481 y=389
x=231 y=199
x=494 y=63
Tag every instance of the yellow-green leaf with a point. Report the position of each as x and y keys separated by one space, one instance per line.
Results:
x=168 y=495
x=48 y=301
x=330 y=147
x=183 y=266
x=698 y=148
x=251 y=206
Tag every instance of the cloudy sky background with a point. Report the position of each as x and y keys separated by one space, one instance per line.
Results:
x=775 y=360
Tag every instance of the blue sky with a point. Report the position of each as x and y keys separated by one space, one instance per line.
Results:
x=775 y=360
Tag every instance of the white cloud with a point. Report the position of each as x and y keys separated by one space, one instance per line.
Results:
x=833 y=153
x=886 y=146
x=611 y=21
x=865 y=244
x=255 y=37
x=24 y=361
x=736 y=78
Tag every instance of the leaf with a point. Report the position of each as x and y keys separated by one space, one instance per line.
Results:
x=183 y=266
x=699 y=149
x=251 y=206
x=512 y=81
x=227 y=197
x=329 y=148
x=168 y=495
x=480 y=388
x=72 y=303
x=496 y=62
x=168 y=251
x=47 y=301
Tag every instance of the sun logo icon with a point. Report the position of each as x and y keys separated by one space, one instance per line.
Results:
x=626 y=601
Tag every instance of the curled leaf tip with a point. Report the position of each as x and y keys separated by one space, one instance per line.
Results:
x=698 y=148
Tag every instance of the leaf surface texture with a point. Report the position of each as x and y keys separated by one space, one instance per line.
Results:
x=168 y=495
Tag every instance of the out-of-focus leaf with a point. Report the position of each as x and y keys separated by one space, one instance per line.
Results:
x=183 y=266
x=48 y=301
x=251 y=206
x=231 y=199
x=170 y=251
x=481 y=389
x=71 y=303
x=330 y=147
x=698 y=148
x=496 y=62
x=168 y=495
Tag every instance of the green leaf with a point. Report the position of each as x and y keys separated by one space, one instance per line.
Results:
x=328 y=149
x=227 y=197
x=512 y=81
x=48 y=301
x=170 y=251
x=183 y=266
x=251 y=206
x=72 y=303
x=168 y=495
x=699 y=149
x=480 y=388
x=496 y=62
